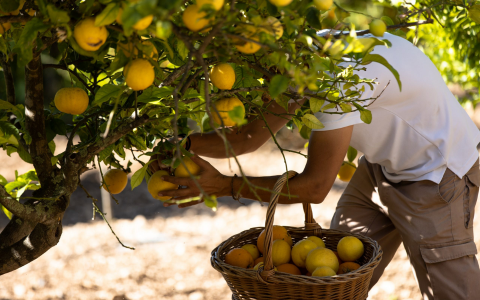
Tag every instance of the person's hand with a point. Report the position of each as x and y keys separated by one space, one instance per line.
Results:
x=211 y=181
x=157 y=165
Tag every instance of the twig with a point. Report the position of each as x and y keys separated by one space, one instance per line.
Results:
x=63 y=67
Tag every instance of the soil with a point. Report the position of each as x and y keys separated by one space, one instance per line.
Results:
x=171 y=260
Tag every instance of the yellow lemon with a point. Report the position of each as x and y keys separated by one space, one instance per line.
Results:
x=181 y=171
x=257 y=266
x=195 y=19
x=71 y=100
x=116 y=181
x=88 y=36
x=280 y=252
x=321 y=257
x=253 y=250
x=289 y=240
x=248 y=47
x=139 y=74
x=223 y=106
x=300 y=251
x=223 y=76
x=148 y=49
x=272 y=25
x=350 y=248
x=323 y=4
x=239 y=257
x=317 y=240
x=279 y=233
x=378 y=27
x=347 y=267
x=280 y=2
x=217 y=4
x=323 y=272
x=5 y=27
x=289 y=268
x=346 y=171
x=156 y=185
x=143 y=23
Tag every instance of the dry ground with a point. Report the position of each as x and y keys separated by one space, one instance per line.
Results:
x=172 y=256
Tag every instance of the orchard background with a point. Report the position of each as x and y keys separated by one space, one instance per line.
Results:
x=44 y=48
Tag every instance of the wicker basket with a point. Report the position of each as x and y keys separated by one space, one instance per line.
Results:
x=268 y=284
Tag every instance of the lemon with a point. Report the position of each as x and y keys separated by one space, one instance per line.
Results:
x=156 y=185
x=318 y=241
x=143 y=23
x=148 y=49
x=217 y=4
x=247 y=47
x=280 y=252
x=253 y=250
x=280 y=2
x=88 y=36
x=5 y=27
x=223 y=106
x=279 y=233
x=346 y=171
x=300 y=251
x=239 y=257
x=378 y=27
x=350 y=248
x=181 y=171
x=195 y=19
x=321 y=257
x=261 y=264
x=116 y=180
x=139 y=74
x=71 y=100
x=323 y=272
x=323 y=4
x=223 y=76
x=272 y=25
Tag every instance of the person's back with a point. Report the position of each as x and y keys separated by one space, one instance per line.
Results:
x=418 y=132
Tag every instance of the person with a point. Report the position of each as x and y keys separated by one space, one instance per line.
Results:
x=417 y=182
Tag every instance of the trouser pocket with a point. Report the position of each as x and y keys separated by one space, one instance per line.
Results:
x=472 y=182
x=453 y=271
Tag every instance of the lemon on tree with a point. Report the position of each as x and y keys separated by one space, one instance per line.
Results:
x=346 y=171
x=222 y=76
x=115 y=181
x=217 y=4
x=300 y=251
x=248 y=46
x=148 y=49
x=4 y=27
x=88 y=36
x=321 y=257
x=71 y=100
x=253 y=250
x=272 y=25
x=139 y=74
x=222 y=107
x=323 y=4
x=195 y=19
x=181 y=171
x=350 y=248
x=280 y=2
x=156 y=185
x=141 y=24
x=378 y=27
x=323 y=272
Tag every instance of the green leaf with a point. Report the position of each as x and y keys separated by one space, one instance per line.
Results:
x=312 y=122
x=313 y=17
x=211 y=201
x=182 y=49
x=108 y=15
x=29 y=176
x=57 y=16
x=3 y=181
x=7 y=106
x=316 y=104
x=137 y=178
x=366 y=116
x=9 y=5
x=154 y=93
x=381 y=60
x=105 y=93
x=345 y=107
x=3 y=46
x=305 y=132
x=387 y=20
x=24 y=46
x=24 y=155
x=278 y=85
x=351 y=154
x=137 y=141
x=58 y=126
x=163 y=29
x=237 y=114
x=7 y=212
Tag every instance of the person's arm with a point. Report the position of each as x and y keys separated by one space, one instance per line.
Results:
x=244 y=140
x=326 y=152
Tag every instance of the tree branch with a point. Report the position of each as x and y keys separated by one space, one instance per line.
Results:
x=13 y=205
x=15 y=19
x=63 y=67
x=9 y=83
x=35 y=121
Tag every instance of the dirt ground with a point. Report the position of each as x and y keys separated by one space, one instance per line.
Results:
x=171 y=260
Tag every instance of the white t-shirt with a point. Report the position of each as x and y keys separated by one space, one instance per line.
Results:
x=415 y=134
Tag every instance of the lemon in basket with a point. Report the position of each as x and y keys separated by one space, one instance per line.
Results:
x=323 y=272
x=239 y=257
x=289 y=268
x=321 y=257
x=280 y=252
x=350 y=248
x=279 y=233
x=347 y=267
x=317 y=240
x=301 y=250
x=253 y=250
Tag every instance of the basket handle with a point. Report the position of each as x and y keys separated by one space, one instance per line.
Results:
x=310 y=223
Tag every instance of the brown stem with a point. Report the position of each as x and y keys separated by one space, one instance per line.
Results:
x=9 y=83
x=391 y=27
x=15 y=19
x=35 y=121
x=63 y=67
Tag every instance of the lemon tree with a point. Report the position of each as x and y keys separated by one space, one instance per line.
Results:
x=139 y=73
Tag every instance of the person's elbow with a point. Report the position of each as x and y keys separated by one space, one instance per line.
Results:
x=317 y=190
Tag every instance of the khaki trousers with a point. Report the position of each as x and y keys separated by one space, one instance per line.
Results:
x=434 y=222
